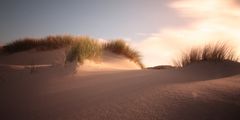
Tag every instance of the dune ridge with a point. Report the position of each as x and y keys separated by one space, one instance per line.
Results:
x=77 y=48
x=33 y=58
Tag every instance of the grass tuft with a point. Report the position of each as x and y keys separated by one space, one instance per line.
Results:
x=47 y=43
x=81 y=48
x=215 y=52
x=120 y=47
x=84 y=48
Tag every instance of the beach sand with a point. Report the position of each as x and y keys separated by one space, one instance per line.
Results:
x=115 y=89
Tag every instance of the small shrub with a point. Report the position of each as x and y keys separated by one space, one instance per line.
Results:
x=84 y=48
x=120 y=47
x=215 y=52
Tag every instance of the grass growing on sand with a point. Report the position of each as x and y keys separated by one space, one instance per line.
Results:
x=120 y=47
x=214 y=52
x=84 y=48
x=81 y=48
x=47 y=43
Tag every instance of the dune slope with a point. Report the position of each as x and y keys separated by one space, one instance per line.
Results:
x=172 y=94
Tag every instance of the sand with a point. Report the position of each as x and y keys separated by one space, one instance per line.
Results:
x=203 y=91
x=108 y=61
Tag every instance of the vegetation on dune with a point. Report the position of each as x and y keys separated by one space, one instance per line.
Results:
x=120 y=47
x=214 y=52
x=47 y=43
x=81 y=48
x=84 y=48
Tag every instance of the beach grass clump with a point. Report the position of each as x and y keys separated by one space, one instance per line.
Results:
x=47 y=43
x=20 y=45
x=84 y=48
x=120 y=47
x=78 y=48
x=55 y=42
x=219 y=51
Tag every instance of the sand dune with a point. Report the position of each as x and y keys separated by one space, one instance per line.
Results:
x=205 y=91
x=34 y=57
x=108 y=61
x=39 y=85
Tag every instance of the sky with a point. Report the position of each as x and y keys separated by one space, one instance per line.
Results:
x=159 y=29
x=210 y=20
x=107 y=19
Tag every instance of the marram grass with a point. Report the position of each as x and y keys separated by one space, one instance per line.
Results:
x=219 y=51
x=120 y=47
x=84 y=48
x=47 y=43
x=80 y=48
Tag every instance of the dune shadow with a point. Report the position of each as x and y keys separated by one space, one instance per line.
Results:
x=211 y=70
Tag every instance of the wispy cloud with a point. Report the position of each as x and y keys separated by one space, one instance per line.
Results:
x=211 y=20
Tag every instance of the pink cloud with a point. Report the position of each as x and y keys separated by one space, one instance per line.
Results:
x=212 y=20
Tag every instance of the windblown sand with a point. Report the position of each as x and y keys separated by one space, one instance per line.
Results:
x=206 y=91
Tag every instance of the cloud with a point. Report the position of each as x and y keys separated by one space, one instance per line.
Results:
x=211 y=20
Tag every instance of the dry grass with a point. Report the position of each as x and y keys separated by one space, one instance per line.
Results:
x=84 y=48
x=215 y=52
x=47 y=43
x=120 y=47
x=81 y=48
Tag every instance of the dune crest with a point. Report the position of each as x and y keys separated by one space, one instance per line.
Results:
x=207 y=70
x=35 y=57
x=109 y=60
